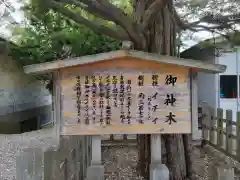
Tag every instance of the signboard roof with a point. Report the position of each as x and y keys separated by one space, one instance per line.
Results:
x=140 y=55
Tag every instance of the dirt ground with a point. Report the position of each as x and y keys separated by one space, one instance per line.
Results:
x=121 y=161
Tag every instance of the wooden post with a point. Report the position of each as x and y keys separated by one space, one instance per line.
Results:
x=29 y=164
x=213 y=125
x=238 y=135
x=50 y=160
x=81 y=147
x=87 y=153
x=157 y=169
x=125 y=136
x=77 y=159
x=206 y=123
x=83 y=162
x=228 y=142
x=156 y=152
x=57 y=105
x=196 y=135
x=74 y=158
x=220 y=128
x=96 y=171
x=111 y=137
x=21 y=166
x=224 y=173
x=90 y=149
x=96 y=150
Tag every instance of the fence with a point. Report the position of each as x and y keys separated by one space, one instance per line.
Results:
x=68 y=161
x=222 y=133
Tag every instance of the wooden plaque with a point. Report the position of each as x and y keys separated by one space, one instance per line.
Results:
x=125 y=101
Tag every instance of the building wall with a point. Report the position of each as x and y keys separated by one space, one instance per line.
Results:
x=232 y=61
x=207 y=91
x=19 y=89
x=10 y=127
x=209 y=84
x=20 y=93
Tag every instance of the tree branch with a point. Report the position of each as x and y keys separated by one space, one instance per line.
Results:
x=121 y=18
x=213 y=30
x=221 y=19
x=221 y=22
x=91 y=7
x=176 y=19
x=108 y=11
x=116 y=33
x=152 y=11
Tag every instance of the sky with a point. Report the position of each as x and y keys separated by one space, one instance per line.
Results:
x=18 y=16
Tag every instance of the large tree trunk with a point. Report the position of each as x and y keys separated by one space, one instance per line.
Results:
x=160 y=38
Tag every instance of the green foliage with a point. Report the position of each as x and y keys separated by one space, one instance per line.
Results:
x=47 y=32
x=46 y=35
x=40 y=47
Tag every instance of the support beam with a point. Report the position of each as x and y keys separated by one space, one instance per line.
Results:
x=96 y=170
x=57 y=105
x=196 y=134
x=156 y=148
x=96 y=150
x=157 y=169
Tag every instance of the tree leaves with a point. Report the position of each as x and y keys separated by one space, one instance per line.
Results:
x=49 y=32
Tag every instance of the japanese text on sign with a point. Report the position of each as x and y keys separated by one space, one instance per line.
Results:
x=112 y=100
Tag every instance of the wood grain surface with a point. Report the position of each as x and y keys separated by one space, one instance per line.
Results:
x=180 y=91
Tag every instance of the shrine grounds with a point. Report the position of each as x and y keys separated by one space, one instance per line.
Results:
x=120 y=161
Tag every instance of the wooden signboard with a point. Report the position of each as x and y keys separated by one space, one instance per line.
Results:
x=125 y=100
x=125 y=92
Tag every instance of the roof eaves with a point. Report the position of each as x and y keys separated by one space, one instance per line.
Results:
x=190 y=63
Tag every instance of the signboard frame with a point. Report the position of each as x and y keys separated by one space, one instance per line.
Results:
x=68 y=81
x=120 y=59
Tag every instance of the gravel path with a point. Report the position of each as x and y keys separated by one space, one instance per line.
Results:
x=208 y=158
x=120 y=163
x=10 y=145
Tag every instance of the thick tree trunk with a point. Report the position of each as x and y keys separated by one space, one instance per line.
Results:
x=160 y=38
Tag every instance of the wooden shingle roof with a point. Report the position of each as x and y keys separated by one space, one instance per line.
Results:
x=107 y=56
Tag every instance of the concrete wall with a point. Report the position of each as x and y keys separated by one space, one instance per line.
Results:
x=21 y=96
x=18 y=89
x=10 y=127
x=207 y=88
x=209 y=84
x=232 y=61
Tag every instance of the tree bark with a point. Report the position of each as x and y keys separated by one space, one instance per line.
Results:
x=160 y=37
x=152 y=29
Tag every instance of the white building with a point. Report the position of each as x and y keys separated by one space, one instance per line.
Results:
x=219 y=90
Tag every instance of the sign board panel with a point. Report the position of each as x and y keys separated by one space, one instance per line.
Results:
x=125 y=101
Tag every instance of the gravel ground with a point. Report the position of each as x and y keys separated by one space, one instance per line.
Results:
x=10 y=145
x=120 y=161
x=209 y=158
